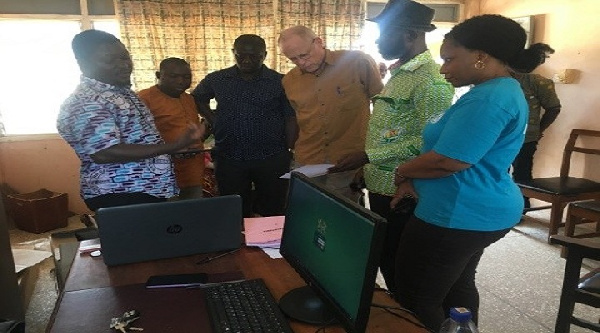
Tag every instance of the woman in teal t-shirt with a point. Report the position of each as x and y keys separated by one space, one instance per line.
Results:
x=466 y=198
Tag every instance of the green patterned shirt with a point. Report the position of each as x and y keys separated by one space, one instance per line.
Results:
x=415 y=94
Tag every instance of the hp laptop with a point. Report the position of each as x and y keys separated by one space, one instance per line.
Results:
x=151 y=231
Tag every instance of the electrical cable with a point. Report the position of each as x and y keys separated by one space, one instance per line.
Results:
x=389 y=309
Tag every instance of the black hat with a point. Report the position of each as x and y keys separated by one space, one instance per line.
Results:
x=406 y=14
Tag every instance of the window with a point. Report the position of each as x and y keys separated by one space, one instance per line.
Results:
x=447 y=14
x=371 y=33
x=39 y=69
x=110 y=26
x=40 y=73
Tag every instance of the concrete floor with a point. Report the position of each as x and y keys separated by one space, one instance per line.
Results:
x=519 y=280
x=40 y=280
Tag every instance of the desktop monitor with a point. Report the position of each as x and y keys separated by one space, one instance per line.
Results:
x=334 y=244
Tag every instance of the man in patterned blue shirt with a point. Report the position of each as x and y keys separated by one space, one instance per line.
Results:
x=254 y=127
x=123 y=158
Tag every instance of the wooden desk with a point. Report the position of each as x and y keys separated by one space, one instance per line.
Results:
x=89 y=273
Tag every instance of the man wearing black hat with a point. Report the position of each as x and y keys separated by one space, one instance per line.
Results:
x=415 y=94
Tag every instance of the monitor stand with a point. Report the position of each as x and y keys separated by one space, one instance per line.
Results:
x=304 y=305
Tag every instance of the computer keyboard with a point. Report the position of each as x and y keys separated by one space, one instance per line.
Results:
x=244 y=306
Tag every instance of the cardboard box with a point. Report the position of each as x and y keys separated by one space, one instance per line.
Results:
x=38 y=211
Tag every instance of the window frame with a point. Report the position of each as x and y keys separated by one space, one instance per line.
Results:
x=85 y=21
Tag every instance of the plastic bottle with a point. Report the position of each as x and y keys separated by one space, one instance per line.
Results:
x=459 y=322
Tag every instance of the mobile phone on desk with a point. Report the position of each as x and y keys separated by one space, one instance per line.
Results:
x=177 y=280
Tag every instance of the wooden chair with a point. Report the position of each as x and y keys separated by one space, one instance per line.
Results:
x=581 y=212
x=559 y=191
x=576 y=289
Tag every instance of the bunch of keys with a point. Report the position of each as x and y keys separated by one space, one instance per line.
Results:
x=123 y=323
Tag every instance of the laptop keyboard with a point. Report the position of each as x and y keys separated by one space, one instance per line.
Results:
x=244 y=306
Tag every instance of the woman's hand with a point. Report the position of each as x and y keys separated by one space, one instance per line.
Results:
x=404 y=190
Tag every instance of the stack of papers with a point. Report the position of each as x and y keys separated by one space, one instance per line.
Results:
x=89 y=245
x=265 y=232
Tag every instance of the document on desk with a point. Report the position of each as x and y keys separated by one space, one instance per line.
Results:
x=311 y=170
x=89 y=245
x=265 y=232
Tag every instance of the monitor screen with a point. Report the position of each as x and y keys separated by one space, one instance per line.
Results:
x=334 y=244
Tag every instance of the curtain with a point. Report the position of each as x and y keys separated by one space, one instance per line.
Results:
x=338 y=22
x=202 y=32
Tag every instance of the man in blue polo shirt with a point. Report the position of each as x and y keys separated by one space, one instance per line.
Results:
x=254 y=127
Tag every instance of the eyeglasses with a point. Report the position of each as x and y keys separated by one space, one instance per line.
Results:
x=304 y=56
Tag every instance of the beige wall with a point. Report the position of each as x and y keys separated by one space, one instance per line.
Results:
x=28 y=163
x=571 y=27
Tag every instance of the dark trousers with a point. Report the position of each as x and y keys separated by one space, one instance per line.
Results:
x=435 y=269
x=120 y=199
x=397 y=219
x=270 y=191
x=523 y=165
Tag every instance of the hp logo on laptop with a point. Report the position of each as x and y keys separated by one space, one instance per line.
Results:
x=174 y=229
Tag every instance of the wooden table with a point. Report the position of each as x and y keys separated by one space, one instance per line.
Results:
x=90 y=280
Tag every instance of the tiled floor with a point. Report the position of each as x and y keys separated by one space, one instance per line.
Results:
x=519 y=281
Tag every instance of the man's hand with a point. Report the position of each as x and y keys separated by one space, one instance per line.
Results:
x=192 y=136
x=123 y=152
x=350 y=161
x=208 y=128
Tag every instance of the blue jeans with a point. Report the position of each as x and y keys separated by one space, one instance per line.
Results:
x=435 y=269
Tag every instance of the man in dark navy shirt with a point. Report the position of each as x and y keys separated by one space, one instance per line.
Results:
x=254 y=127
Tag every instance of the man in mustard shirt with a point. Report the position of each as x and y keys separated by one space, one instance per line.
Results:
x=415 y=94
x=330 y=92
x=173 y=110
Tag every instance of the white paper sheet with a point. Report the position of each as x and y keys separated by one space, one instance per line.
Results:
x=26 y=258
x=311 y=170
x=273 y=253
